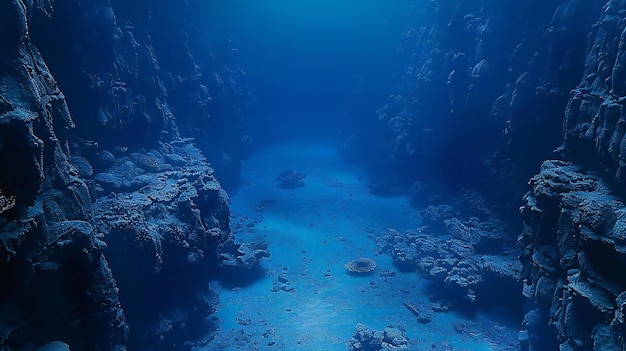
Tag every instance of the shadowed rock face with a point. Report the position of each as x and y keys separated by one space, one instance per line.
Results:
x=573 y=226
x=491 y=90
x=111 y=222
x=57 y=283
x=483 y=77
x=594 y=119
x=573 y=253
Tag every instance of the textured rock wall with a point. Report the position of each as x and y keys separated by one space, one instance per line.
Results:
x=573 y=231
x=101 y=187
x=491 y=90
x=594 y=120
x=135 y=71
x=111 y=220
x=483 y=77
x=573 y=259
x=56 y=280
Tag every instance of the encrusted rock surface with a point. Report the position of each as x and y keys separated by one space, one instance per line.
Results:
x=574 y=251
x=463 y=248
x=483 y=110
x=167 y=230
x=594 y=119
x=112 y=222
x=481 y=78
x=367 y=339
x=573 y=235
x=118 y=191
x=452 y=263
x=52 y=260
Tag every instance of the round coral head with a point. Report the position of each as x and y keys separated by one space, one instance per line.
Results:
x=361 y=266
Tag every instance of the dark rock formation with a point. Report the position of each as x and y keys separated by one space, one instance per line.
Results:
x=573 y=257
x=290 y=180
x=57 y=282
x=492 y=88
x=455 y=266
x=164 y=229
x=573 y=216
x=464 y=249
x=110 y=112
x=594 y=119
x=482 y=76
x=139 y=71
x=112 y=223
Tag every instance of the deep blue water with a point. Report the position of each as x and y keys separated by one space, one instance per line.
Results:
x=315 y=66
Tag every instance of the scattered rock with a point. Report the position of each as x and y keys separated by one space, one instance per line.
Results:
x=451 y=262
x=247 y=256
x=387 y=273
x=281 y=283
x=290 y=180
x=420 y=315
x=366 y=339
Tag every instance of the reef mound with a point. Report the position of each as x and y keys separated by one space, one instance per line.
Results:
x=361 y=266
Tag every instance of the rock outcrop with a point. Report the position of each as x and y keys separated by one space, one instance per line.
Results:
x=491 y=90
x=367 y=339
x=111 y=220
x=573 y=254
x=482 y=77
x=573 y=215
x=594 y=119
x=465 y=260
x=52 y=254
x=110 y=112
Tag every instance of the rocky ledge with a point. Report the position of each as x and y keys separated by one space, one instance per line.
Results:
x=574 y=245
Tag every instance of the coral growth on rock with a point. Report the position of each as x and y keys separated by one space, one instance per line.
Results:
x=106 y=203
x=573 y=246
x=367 y=339
x=361 y=265
x=466 y=258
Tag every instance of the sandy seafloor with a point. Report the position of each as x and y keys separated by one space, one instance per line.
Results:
x=312 y=232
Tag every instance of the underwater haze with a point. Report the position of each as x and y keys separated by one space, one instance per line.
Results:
x=315 y=66
x=409 y=175
x=318 y=70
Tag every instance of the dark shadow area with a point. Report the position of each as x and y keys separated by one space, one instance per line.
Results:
x=502 y=304
x=20 y=176
x=236 y=277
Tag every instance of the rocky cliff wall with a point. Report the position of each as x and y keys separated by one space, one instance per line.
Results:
x=573 y=218
x=573 y=256
x=111 y=220
x=484 y=76
x=493 y=89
